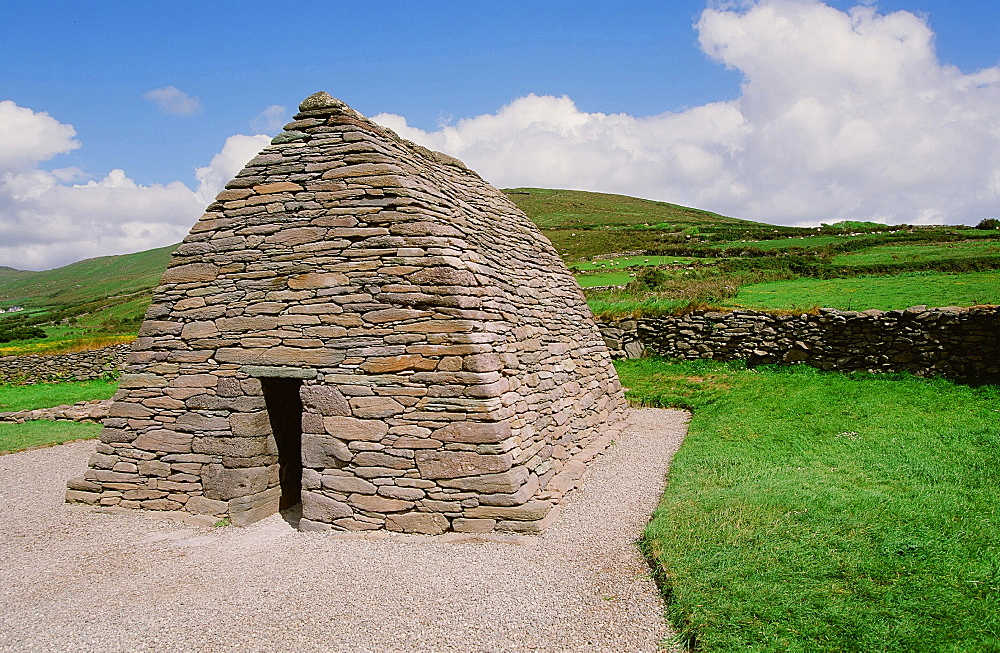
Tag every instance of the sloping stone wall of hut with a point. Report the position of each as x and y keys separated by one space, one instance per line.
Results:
x=451 y=374
x=961 y=343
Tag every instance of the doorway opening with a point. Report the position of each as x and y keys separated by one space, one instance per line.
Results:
x=284 y=410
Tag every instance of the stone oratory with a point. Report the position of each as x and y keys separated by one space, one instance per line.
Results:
x=366 y=327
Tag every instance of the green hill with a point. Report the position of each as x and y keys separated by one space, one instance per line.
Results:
x=669 y=256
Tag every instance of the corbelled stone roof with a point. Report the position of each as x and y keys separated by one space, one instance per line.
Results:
x=449 y=371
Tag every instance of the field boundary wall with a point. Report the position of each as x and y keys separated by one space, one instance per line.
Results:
x=76 y=366
x=960 y=343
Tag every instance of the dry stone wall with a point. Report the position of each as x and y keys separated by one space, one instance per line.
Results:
x=77 y=366
x=961 y=343
x=368 y=326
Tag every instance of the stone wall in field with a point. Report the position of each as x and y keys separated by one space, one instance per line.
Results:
x=961 y=343
x=76 y=366
x=367 y=327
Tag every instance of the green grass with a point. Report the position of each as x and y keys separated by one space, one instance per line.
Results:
x=884 y=293
x=37 y=433
x=45 y=395
x=621 y=262
x=553 y=208
x=788 y=243
x=811 y=511
x=890 y=254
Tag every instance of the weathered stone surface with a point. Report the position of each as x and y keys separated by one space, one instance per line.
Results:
x=530 y=511
x=462 y=525
x=326 y=400
x=348 y=484
x=321 y=508
x=318 y=280
x=455 y=464
x=191 y=272
x=164 y=440
x=374 y=407
x=378 y=504
x=248 y=509
x=223 y=484
x=506 y=482
x=321 y=451
x=426 y=523
x=350 y=428
x=205 y=506
x=473 y=432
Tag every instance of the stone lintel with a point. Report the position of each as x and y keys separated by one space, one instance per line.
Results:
x=267 y=371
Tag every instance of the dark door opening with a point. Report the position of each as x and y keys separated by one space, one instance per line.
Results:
x=284 y=410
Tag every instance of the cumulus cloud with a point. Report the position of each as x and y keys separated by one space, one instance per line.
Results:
x=27 y=137
x=841 y=115
x=172 y=100
x=270 y=120
x=236 y=151
x=51 y=218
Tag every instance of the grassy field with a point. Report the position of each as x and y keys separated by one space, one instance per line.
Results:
x=920 y=252
x=40 y=433
x=46 y=395
x=884 y=293
x=37 y=433
x=811 y=511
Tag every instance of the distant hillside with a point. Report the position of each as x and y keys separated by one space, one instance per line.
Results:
x=89 y=286
x=681 y=254
x=582 y=224
x=609 y=220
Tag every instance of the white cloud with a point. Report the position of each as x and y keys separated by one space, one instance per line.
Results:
x=172 y=100
x=236 y=151
x=270 y=120
x=51 y=218
x=27 y=137
x=842 y=115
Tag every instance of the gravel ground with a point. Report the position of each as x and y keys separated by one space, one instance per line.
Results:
x=74 y=578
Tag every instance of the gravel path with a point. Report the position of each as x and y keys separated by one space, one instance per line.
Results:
x=73 y=578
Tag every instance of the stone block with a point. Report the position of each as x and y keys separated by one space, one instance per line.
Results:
x=456 y=464
x=310 y=526
x=425 y=523
x=404 y=493
x=190 y=273
x=236 y=447
x=82 y=485
x=250 y=424
x=525 y=492
x=323 y=451
x=318 y=280
x=205 y=506
x=222 y=484
x=321 y=508
x=374 y=407
x=377 y=459
x=164 y=440
x=462 y=525
x=530 y=511
x=507 y=482
x=195 y=423
x=528 y=527
x=249 y=509
x=324 y=399
x=79 y=496
x=348 y=484
x=350 y=428
x=473 y=432
x=378 y=504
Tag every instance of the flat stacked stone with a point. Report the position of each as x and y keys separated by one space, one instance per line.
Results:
x=452 y=377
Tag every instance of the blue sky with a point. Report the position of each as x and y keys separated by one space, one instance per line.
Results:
x=657 y=99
